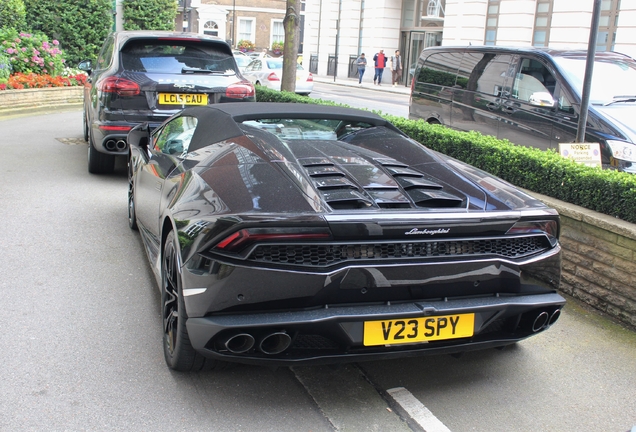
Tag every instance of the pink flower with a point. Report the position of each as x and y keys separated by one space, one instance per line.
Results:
x=10 y=51
x=23 y=49
x=51 y=63
x=17 y=40
x=55 y=42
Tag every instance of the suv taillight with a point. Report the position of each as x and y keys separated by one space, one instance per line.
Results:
x=310 y=77
x=240 y=90
x=121 y=86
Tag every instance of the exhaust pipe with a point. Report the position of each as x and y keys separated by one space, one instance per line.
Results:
x=121 y=145
x=110 y=145
x=554 y=317
x=540 y=321
x=239 y=343
x=275 y=343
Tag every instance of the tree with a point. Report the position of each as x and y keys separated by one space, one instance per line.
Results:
x=149 y=14
x=80 y=27
x=290 y=48
x=12 y=15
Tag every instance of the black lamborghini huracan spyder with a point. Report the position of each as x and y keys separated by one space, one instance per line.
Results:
x=289 y=234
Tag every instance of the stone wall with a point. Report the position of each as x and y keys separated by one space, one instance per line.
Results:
x=599 y=259
x=18 y=101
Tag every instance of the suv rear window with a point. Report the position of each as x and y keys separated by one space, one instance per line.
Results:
x=176 y=57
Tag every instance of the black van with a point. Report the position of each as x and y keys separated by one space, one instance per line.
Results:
x=530 y=96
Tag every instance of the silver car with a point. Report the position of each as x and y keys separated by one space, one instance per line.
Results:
x=268 y=72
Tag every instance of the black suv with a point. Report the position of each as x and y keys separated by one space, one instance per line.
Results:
x=147 y=76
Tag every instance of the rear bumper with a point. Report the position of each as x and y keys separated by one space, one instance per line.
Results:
x=335 y=333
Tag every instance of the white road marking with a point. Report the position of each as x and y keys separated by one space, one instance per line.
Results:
x=416 y=410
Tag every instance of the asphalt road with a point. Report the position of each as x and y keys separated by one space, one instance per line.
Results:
x=81 y=339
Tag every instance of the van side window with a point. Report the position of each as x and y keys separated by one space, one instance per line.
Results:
x=440 y=69
x=484 y=73
x=533 y=78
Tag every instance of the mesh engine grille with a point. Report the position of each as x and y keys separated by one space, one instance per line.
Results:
x=317 y=255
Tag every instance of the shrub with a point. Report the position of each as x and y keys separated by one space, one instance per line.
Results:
x=31 y=52
x=32 y=80
x=81 y=27
x=5 y=68
x=149 y=14
x=12 y=14
x=277 y=46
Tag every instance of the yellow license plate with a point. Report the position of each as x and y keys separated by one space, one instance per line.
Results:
x=183 y=99
x=414 y=330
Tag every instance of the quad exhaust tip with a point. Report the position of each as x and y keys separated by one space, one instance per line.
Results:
x=275 y=343
x=240 y=343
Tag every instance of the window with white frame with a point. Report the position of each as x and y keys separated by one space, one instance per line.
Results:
x=278 y=32
x=211 y=28
x=246 y=29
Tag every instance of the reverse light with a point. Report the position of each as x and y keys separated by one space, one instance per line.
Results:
x=240 y=90
x=239 y=240
x=121 y=86
x=548 y=227
x=273 y=77
x=622 y=150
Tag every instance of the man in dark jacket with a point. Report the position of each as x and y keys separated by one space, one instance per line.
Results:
x=380 y=64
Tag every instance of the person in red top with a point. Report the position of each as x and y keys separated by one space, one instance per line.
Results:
x=380 y=64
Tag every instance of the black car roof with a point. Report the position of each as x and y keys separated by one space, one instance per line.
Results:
x=225 y=117
x=541 y=51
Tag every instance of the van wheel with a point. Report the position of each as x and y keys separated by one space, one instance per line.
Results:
x=433 y=121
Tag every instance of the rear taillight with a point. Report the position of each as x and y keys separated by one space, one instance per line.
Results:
x=549 y=228
x=239 y=240
x=310 y=77
x=121 y=86
x=273 y=77
x=240 y=90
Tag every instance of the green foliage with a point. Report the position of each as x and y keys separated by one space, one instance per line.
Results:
x=81 y=27
x=149 y=14
x=31 y=53
x=12 y=15
x=546 y=172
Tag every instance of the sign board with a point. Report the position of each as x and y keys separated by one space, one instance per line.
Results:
x=584 y=153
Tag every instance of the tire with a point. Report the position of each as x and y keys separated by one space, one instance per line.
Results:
x=99 y=163
x=177 y=348
x=132 y=214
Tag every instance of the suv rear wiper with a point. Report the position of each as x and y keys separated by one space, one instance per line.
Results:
x=186 y=70
x=621 y=98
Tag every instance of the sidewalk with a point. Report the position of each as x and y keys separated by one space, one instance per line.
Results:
x=353 y=82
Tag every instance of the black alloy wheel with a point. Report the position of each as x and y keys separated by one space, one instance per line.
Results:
x=132 y=215
x=177 y=348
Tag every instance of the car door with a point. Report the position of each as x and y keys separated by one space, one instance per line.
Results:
x=478 y=93
x=433 y=84
x=168 y=148
x=529 y=112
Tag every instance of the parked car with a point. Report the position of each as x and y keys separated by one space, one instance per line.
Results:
x=147 y=76
x=242 y=61
x=530 y=96
x=288 y=234
x=268 y=72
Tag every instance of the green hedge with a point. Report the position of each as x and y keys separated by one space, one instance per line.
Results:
x=546 y=172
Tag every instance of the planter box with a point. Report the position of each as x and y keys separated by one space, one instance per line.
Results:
x=27 y=99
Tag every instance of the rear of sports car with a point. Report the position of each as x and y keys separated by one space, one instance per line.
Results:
x=366 y=257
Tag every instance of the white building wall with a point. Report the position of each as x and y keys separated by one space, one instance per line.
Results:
x=381 y=30
x=570 y=26
x=516 y=22
x=465 y=22
x=626 y=32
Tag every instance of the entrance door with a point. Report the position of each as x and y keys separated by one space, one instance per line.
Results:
x=415 y=41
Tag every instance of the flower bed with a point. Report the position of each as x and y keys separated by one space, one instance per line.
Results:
x=21 y=81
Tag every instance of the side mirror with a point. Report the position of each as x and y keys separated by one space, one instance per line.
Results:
x=139 y=136
x=86 y=66
x=541 y=99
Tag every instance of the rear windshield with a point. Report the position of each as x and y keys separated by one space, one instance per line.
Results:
x=176 y=57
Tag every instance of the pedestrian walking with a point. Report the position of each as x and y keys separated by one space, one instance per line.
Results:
x=362 y=64
x=380 y=64
x=396 y=68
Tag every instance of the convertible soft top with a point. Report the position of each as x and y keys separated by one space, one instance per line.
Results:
x=222 y=120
